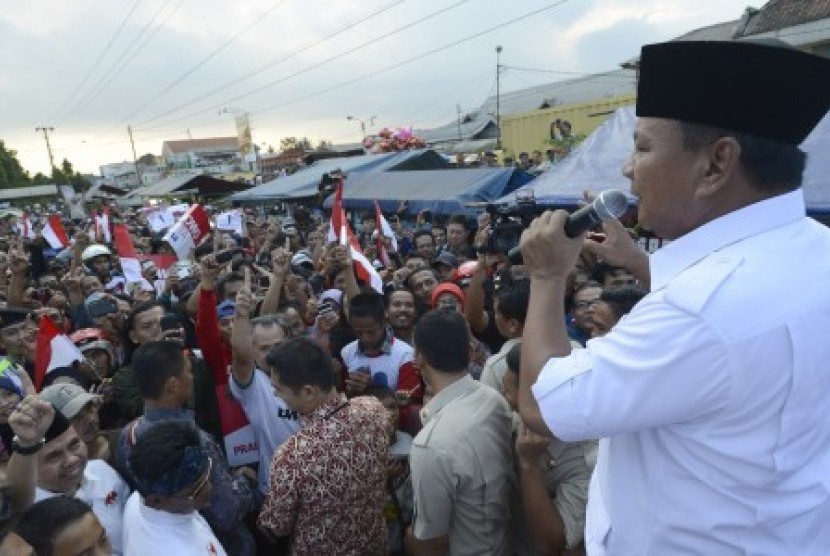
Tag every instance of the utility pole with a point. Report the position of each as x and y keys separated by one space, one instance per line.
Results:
x=458 y=110
x=135 y=158
x=46 y=131
x=498 y=97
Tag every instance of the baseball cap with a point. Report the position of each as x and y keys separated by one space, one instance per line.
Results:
x=446 y=258
x=67 y=398
x=226 y=309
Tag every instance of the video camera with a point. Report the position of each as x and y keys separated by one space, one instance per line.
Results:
x=508 y=222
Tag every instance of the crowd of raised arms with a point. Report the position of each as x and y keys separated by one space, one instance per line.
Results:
x=197 y=415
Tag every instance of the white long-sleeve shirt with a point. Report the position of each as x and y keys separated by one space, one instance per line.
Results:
x=711 y=396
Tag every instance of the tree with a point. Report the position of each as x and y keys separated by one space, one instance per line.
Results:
x=12 y=173
x=292 y=143
x=324 y=146
x=41 y=179
x=148 y=159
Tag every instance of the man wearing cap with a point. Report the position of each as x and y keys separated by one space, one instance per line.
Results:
x=81 y=408
x=445 y=264
x=710 y=396
x=63 y=468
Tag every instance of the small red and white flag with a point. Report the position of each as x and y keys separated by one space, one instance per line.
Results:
x=338 y=215
x=339 y=229
x=54 y=234
x=24 y=227
x=188 y=232
x=384 y=230
x=130 y=264
x=53 y=350
x=103 y=233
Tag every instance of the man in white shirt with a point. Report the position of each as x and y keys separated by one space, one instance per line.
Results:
x=273 y=422
x=710 y=396
x=172 y=471
x=63 y=469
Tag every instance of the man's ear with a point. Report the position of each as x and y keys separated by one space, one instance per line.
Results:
x=309 y=391
x=722 y=161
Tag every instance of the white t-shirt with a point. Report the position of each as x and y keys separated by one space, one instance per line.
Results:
x=270 y=418
x=386 y=367
x=106 y=492
x=148 y=531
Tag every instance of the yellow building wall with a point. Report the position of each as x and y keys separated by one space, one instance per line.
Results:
x=528 y=132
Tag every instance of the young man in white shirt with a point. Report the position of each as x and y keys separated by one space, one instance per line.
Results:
x=172 y=472
x=273 y=422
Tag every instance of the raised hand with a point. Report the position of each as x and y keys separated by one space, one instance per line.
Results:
x=31 y=419
x=245 y=299
x=530 y=447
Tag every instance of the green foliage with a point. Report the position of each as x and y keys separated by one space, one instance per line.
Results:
x=12 y=173
x=290 y=143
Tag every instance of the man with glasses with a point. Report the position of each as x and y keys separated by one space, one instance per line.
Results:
x=172 y=471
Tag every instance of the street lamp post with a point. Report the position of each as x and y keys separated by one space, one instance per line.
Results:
x=362 y=124
x=498 y=97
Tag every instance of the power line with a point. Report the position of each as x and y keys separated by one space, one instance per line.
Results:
x=392 y=66
x=126 y=57
x=205 y=60
x=96 y=63
x=415 y=58
x=271 y=63
x=326 y=61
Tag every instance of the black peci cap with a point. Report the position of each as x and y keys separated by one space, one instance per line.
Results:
x=760 y=87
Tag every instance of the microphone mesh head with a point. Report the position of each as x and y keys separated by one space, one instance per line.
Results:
x=611 y=203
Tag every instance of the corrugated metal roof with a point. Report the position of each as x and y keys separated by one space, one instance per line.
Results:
x=25 y=192
x=569 y=91
x=163 y=187
x=780 y=14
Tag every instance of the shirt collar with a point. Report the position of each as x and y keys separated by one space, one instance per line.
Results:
x=385 y=347
x=325 y=411
x=165 y=414
x=748 y=221
x=455 y=390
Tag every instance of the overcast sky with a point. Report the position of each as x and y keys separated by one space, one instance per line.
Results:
x=90 y=68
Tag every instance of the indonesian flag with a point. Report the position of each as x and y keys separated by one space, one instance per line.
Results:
x=102 y=226
x=54 y=234
x=384 y=230
x=127 y=255
x=362 y=267
x=53 y=350
x=24 y=227
x=338 y=215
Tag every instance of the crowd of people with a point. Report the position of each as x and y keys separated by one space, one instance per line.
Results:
x=407 y=390
x=379 y=420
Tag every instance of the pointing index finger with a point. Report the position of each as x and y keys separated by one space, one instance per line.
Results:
x=247 y=275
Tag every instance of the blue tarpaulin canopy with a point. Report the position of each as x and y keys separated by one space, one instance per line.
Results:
x=440 y=191
x=597 y=164
x=304 y=182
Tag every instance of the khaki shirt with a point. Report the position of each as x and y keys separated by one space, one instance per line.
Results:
x=570 y=465
x=461 y=465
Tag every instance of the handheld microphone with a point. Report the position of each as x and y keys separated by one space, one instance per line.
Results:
x=611 y=203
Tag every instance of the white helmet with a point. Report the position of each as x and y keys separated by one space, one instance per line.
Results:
x=93 y=251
